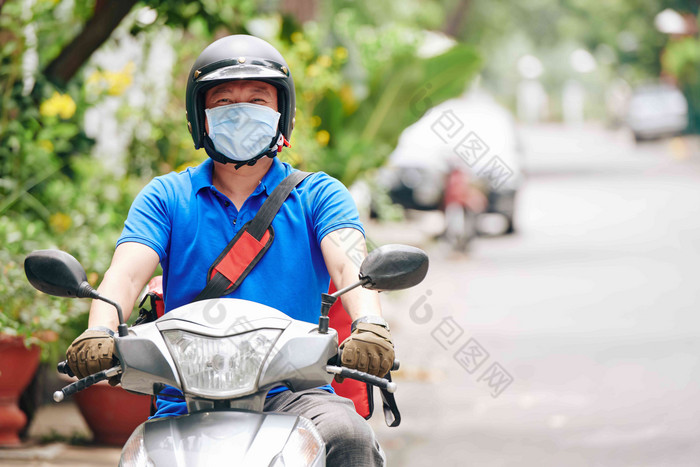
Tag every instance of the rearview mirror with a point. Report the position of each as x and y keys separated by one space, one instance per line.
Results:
x=55 y=272
x=394 y=267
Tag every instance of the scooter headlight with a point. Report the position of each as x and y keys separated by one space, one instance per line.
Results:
x=220 y=367
x=303 y=448
x=134 y=451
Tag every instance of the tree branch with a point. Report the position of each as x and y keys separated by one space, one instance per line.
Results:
x=454 y=22
x=106 y=18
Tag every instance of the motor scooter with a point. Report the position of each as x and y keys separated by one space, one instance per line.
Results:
x=451 y=189
x=225 y=355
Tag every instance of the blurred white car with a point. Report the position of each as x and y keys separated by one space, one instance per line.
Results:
x=656 y=111
x=472 y=134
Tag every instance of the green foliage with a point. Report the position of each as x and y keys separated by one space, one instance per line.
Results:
x=625 y=26
x=360 y=83
x=86 y=217
x=204 y=17
x=682 y=60
x=52 y=193
x=619 y=33
x=26 y=312
x=398 y=95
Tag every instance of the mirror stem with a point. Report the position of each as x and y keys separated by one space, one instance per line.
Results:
x=327 y=301
x=86 y=291
x=122 y=329
x=340 y=292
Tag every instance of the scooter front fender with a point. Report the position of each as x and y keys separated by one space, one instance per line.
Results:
x=214 y=438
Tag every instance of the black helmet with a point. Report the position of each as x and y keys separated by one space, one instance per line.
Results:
x=233 y=58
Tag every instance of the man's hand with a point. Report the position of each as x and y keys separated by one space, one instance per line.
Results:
x=369 y=349
x=91 y=352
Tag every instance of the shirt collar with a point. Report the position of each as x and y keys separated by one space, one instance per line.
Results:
x=274 y=176
x=201 y=175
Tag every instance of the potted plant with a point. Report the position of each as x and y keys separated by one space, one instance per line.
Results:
x=111 y=412
x=30 y=323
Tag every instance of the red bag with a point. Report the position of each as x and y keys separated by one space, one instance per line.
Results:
x=356 y=391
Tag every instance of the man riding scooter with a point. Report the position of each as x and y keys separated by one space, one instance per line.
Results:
x=240 y=109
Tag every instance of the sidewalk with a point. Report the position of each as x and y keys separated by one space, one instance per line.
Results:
x=56 y=454
x=59 y=422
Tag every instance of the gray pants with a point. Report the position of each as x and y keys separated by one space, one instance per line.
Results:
x=349 y=439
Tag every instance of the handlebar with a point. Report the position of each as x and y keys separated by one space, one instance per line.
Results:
x=336 y=367
x=81 y=384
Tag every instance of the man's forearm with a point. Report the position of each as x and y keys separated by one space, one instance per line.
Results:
x=119 y=289
x=132 y=266
x=344 y=271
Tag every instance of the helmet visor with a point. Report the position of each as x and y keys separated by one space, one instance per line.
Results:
x=242 y=72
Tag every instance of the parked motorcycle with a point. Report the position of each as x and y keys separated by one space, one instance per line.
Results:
x=224 y=355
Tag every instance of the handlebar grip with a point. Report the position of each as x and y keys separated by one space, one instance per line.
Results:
x=63 y=368
x=79 y=385
x=362 y=376
x=339 y=361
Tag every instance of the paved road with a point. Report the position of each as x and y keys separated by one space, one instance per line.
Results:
x=592 y=309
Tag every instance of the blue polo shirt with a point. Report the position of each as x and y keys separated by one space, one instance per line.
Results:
x=188 y=223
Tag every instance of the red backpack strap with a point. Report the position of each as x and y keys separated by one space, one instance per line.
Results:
x=155 y=290
x=357 y=391
x=249 y=245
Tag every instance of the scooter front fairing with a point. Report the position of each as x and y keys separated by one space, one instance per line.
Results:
x=225 y=438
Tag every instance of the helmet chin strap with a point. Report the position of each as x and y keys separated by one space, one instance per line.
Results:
x=271 y=152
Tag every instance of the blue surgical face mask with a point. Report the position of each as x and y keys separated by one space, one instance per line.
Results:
x=242 y=131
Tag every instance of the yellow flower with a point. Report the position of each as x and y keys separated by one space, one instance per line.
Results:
x=118 y=81
x=315 y=121
x=297 y=37
x=322 y=137
x=324 y=61
x=46 y=145
x=347 y=97
x=94 y=78
x=113 y=83
x=312 y=71
x=58 y=104
x=60 y=222
x=340 y=53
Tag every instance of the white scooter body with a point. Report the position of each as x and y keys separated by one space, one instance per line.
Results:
x=225 y=427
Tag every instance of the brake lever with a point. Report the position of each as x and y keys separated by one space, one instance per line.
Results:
x=362 y=376
x=63 y=368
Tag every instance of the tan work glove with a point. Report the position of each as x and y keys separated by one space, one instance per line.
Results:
x=369 y=349
x=91 y=352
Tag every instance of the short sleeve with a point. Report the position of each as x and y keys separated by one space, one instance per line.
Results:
x=148 y=221
x=333 y=208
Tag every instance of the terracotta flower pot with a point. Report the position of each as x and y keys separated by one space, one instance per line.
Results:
x=17 y=366
x=111 y=412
